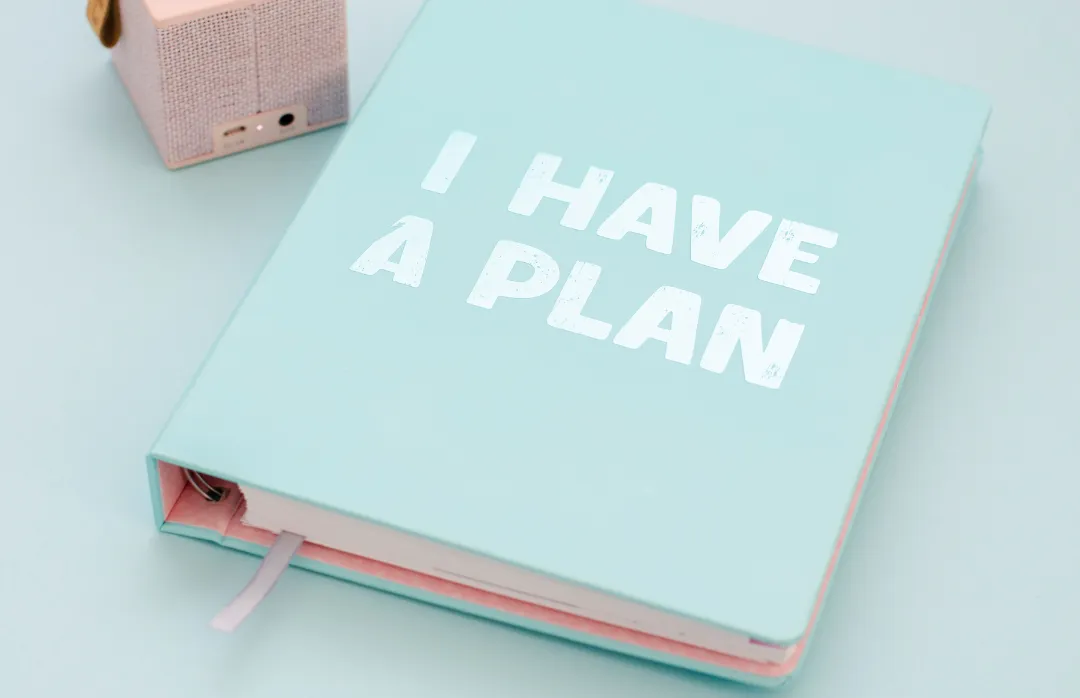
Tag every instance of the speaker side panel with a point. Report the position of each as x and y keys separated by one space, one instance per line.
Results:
x=303 y=57
x=138 y=64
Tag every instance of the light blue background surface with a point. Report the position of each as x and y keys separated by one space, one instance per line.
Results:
x=961 y=579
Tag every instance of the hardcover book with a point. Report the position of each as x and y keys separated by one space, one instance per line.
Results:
x=592 y=324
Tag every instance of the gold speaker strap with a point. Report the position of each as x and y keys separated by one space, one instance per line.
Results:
x=104 y=17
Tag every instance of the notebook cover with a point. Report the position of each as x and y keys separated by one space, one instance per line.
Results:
x=718 y=496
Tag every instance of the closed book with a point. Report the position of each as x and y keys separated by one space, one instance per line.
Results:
x=592 y=324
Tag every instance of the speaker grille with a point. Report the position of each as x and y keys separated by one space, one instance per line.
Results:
x=300 y=44
x=209 y=76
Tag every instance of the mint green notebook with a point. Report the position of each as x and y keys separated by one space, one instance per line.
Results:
x=591 y=325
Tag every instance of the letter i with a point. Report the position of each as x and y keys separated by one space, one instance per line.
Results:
x=448 y=164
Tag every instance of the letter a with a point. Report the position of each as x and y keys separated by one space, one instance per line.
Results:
x=412 y=236
x=684 y=308
x=654 y=199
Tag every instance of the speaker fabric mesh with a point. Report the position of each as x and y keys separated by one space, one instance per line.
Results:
x=208 y=77
x=299 y=46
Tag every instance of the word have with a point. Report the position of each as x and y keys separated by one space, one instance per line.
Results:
x=410 y=242
x=658 y=202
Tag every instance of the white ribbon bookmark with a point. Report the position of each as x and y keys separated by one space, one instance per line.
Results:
x=270 y=570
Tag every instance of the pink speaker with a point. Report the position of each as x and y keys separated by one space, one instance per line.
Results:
x=215 y=77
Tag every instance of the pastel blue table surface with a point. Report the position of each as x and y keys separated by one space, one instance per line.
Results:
x=961 y=579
